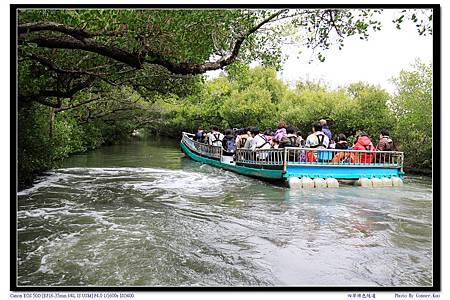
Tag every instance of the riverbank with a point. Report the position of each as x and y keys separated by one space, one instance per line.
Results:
x=417 y=171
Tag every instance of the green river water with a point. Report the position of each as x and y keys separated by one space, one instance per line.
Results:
x=142 y=214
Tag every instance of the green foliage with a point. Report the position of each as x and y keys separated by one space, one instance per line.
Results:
x=248 y=97
x=372 y=111
x=255 y=97
x=98 y=98
x=249 y=106
x=34 y=153
x=413 y=107
x=105 y=121
x=67 y=138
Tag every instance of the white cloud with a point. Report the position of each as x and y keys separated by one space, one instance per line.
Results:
x=375 y=61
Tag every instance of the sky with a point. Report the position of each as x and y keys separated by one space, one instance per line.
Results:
x=375 y=61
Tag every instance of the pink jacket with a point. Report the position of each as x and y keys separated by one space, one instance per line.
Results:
x=279 y=134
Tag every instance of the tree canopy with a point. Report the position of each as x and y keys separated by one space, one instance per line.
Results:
x=90 y=76
x=69 y=50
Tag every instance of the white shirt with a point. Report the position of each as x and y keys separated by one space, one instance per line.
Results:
x=259 y=142
x=215 y=138
x=312 y=140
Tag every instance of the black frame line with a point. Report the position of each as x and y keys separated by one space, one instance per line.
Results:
x=436 y=169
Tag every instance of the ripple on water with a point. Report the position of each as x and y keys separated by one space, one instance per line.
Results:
x=202 y=226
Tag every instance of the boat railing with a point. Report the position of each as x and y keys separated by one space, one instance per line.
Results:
x=203 y=149
x=260 y=156
x=292 y=156
x=344 y=158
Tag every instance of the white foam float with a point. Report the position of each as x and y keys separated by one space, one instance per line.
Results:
x=386 y=181
x=307 y=182
x=319 y=183
x=364 y=182
x=294 y=182
x=396 y=181
x=376 y=182
x=332 y=182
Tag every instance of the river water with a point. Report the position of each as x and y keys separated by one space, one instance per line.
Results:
x=141 y=214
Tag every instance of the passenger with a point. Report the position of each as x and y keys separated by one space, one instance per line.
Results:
x=300 y=139
x=291 y=139
x=275 y=144
x=238 y=134
x=269 y=134
x=205 y=136
x=280 y=133
x=242 y=138
x=364 y=143
x=215 y=137
x=342 y=157
x=325 y=129
x=342 y=143
x=317 y=140
x=385 y=143
x=199 y=135
x=259 y=140
x=229 y=143
x=302 y=154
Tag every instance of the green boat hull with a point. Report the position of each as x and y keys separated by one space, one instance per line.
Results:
x=254 y=172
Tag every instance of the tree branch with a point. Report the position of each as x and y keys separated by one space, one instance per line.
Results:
x=65 y=42
x=100 y=116
x=41 y=96
x=61 y=109
x=79 y=34
x=70 y=92
x=78 y=39
x=46 y=62
x=38 y=99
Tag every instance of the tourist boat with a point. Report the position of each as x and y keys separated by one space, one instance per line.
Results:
x=327 y=167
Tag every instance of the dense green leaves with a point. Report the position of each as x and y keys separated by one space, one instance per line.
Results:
x=101 y=73
x=413 y=107
x=255 y=97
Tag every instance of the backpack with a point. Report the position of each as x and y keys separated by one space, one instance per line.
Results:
x=389 y=144
x=320 y=141
x=230 y=145
x=287 y=141
x=293 y=141
x=242 y=142
x=216 y=139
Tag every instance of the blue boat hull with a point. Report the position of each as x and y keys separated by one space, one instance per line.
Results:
x=311 y=170
x=340 y=172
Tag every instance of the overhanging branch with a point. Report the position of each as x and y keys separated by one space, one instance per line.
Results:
x=46 y=62
x=79 y=39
